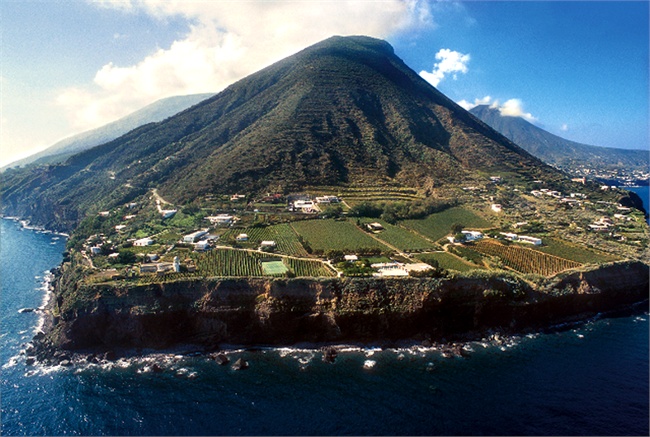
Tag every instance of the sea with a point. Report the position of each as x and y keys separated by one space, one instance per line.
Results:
x=585 y=379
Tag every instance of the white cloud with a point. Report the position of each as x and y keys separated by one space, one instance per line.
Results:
x=451 y=61
x=511 y=108
x=227 y=41
x=564 y=127
x=477 y=102
x=514 y=108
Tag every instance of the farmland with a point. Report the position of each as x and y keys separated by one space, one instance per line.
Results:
x=525 y=260
x=284 y=236
x=401 y=238
x=574 y=252
x=324 y=235
x=437 y=225
x=446 y=261
x=234 y=262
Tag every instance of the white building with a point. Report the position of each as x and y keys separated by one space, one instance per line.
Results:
x=167 y=213
x=472 y=235
x=304 y=205
x=202 y=246
x=496 y=207
x=530 y=240
x=220 y=219
x=241 y=237
x=351 y=258
x=143 y=242
x=194 y=236
x=177 y=264
x=328 y=199
x=267 y=245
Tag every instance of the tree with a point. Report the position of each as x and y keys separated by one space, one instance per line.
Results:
x=126 y=257
x=456 y=228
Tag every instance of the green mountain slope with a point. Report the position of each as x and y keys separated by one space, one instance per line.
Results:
x=558 y=151
x=346 y=111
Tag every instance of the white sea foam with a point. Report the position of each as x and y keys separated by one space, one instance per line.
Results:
x=369 y=364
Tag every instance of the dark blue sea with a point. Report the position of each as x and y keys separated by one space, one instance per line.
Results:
x=591 y=379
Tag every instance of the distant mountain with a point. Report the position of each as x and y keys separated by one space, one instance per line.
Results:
x=558 y=151
x=157 y=111
x=344 y=112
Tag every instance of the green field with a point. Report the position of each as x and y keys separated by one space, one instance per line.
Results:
x=324 y=235
x=447 y=261
x=399 y=237
x=573 y=252
x=438 y=225
x=274 y=268
x=233 y=262
x=283 y=235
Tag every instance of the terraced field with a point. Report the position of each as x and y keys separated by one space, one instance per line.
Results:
x=233 y=262
x=574 y=252
x=399 y=237
x=525 y=260
x=370 y=193
x=446 y=261
x=324 y=235
x=283 y=235
x=438 y=225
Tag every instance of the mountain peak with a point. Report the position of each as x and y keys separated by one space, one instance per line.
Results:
x=344 y=112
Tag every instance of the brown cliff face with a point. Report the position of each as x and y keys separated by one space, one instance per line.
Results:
x=259 y=311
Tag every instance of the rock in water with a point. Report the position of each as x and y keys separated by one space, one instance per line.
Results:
x=329 y=354
x=221 y=359
x=240 y=364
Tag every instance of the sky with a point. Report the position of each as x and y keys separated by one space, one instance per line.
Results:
x=578 y=69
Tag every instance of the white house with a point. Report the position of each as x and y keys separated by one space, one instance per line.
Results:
x=143 y=242
x=472 y=235
x=119 y=227
x=531 y=240
x=95 y=250
x=496 y=207
x=304 y=205
x=375 y=226
x=194 y=236
x=167 y=213
x=220 y=219
x=202 y=246
x=177 y=264
x=351 y=258
x=267 y=244
x=327 y=199
x=509 y=236
x=241 y=237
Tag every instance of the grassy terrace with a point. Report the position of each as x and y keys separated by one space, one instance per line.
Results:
x=446 y=261
x=436 y=226
x=324 y=235
x=399 y=237
x=573 y=252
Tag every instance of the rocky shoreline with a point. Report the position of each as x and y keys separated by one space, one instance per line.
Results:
x=100 y=323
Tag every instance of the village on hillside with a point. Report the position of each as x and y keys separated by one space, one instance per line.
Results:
x=497 y=224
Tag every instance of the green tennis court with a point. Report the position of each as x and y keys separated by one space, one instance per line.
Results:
x=273 y=268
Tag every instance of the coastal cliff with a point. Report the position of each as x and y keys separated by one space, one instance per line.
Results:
x=265 y=311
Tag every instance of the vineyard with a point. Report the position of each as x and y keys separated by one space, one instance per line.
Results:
x=574 y=252
x=324 y=235
x=283 y=235
x=439 y=224
x=229 y=262
x=446 y=261
x=311 y=268
x=401 y=238
x=525 y=260
x=233 y=262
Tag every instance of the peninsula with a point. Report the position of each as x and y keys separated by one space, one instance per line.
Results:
x=334 y=196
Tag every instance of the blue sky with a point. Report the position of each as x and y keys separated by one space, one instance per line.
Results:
x=578 y=69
